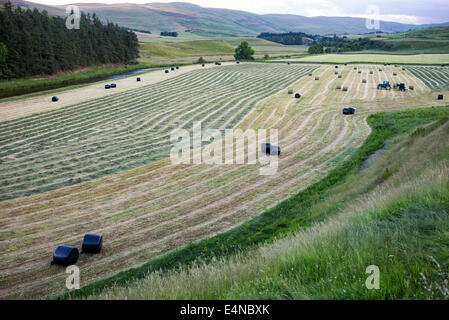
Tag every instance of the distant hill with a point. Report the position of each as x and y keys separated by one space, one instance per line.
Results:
x=179 y=16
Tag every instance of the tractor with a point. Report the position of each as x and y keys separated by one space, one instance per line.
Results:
x=385 y=85
x=399 y=86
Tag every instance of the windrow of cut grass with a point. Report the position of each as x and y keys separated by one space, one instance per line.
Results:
x=154 y=208
x=290 y=215
x=86 y=141
x=392 y=214
x=436 y=78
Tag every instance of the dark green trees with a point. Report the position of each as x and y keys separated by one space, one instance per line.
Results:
x=34 y=43
x=244 y=52
x=316 y=48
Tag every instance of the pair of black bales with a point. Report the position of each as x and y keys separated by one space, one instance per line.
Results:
x=65 y=255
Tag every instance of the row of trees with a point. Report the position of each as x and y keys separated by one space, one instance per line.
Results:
x=326 y=44
x=169 y=34
x=290 y=38
x=34 y=43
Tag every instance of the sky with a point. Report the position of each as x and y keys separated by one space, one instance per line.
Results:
x=411 y=11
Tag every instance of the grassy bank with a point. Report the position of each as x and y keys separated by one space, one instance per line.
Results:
x=296 y=213
x=10 y=88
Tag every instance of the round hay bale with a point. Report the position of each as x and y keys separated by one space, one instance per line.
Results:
x=55 y=99
x=345 y=88
x=380 y=70
x=202 y=65
x=371 y=72
x=336 y=72
x=317 y=78
x=113 y=85
x=338 y=87
x=65 y=255
x=355 y=68
x=364 y=81
x=297 y=95
x=107 y=86
x=310 y=74
x=359 y=71
x=172 y=68
x=177 y=67
x=403 y=69
x=166 y=71
x=395 y=74
x=411 y=87
x=339 y=76
x=290 y=91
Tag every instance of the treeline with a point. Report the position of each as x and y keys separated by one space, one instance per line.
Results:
x=326 y=44
x=291 y=38
x=344 y=44
x=34 y=43
x=169 y=34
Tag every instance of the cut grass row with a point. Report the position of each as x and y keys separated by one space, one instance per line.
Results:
x=395 y=220
x=290 y=215
x=436 y=78
x=136 y=149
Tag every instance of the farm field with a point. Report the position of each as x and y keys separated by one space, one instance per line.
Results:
x=436 y=78
x=101 y=165
x=156 y=50
x=376 y=58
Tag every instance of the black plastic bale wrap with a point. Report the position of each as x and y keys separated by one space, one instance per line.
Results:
x=138 y=79
x=266 y=147
x=297 y=95
x=92 y=243
x=65 y=255
x=54 y=99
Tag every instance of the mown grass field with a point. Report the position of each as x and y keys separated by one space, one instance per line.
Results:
x=376 y=58
x=391 y=212
x=102 y=165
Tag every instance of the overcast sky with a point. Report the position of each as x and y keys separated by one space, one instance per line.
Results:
x=405 y=11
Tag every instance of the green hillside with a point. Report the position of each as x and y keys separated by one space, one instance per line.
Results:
x=176 y=16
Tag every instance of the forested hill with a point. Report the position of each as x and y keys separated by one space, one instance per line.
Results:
x=35 y=43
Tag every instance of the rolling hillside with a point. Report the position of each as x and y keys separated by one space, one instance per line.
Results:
x=177 y=16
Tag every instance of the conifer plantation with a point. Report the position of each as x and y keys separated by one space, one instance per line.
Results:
x=35 y=43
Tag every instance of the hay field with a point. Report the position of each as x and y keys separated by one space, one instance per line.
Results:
x=102 y=165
